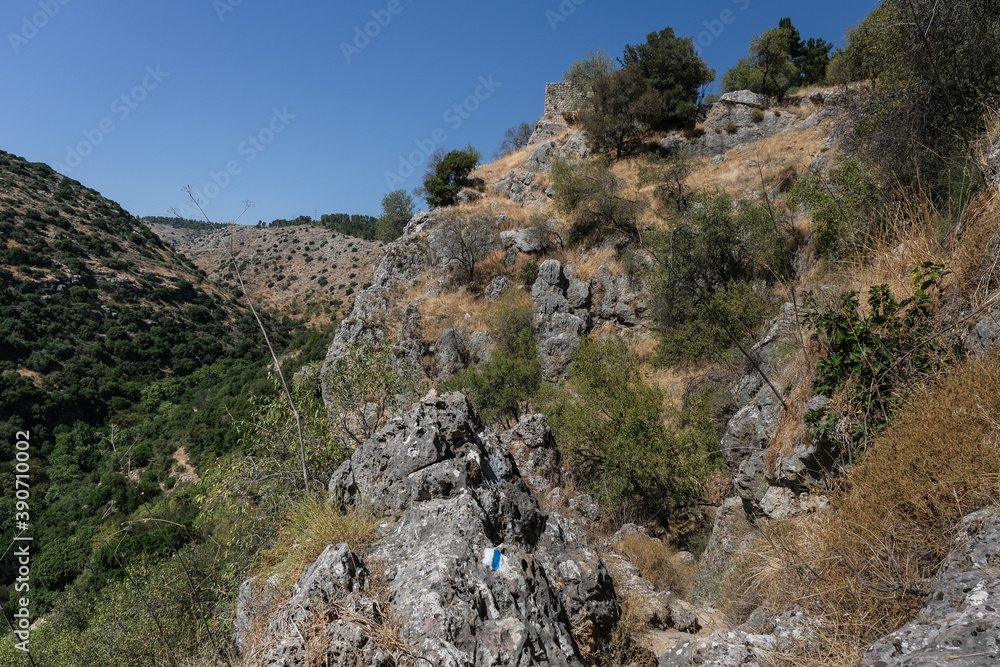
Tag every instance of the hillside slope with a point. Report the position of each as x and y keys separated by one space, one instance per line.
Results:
x=95 y=305
x=306 y=272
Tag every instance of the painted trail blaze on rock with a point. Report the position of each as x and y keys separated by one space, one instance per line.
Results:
x=457 y=595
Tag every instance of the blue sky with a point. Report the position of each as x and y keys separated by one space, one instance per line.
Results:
x=261 y=101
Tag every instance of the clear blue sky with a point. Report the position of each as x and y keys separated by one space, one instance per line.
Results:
x=154 y=95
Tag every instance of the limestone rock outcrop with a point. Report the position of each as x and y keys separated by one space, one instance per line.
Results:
x=960 y=621
x=474 y=572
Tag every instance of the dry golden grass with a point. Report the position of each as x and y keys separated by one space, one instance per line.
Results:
x=741 y=173
x=863 y=569
x=623 y=648
x=659 y=564
x=974 y=259
x=448 y=309
x=311 y=525
x=587 y=268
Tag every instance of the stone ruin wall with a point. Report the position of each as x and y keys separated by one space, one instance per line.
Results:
x=560 y=98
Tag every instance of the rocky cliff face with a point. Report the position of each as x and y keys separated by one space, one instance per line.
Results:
x=743 y=117
x=474 y=571
x=960 y=621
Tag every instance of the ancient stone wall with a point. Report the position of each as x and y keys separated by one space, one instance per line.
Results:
x=559 y=98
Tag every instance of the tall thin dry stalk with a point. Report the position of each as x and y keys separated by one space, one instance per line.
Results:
x=277 y=364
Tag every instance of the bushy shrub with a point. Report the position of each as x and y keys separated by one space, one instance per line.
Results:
x=877 y=355
x=591 y=194
x=503 y=387
x=397 y=209
x=713 y=267
x=450 y=175
x=844 y=207
x=934 y=72
x=609 y=424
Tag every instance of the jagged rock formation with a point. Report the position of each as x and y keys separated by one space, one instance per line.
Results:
x=476 y=573
x=546 y=130
x=743 y=117
x=520 y=187
x=573 y=148
x=960 y=621
x=566 y=308
x=792 y=632
x=774 y=480
x=560 y=315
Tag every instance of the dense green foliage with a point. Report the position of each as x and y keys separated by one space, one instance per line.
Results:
x=769 y=69
x=609 y=423
x=450 y=175
x=876 y=355
x=622 y=110
x=397 y=209
x=502 y=388
x=844 y=207
x=658 y=87
x=675 y=71
x=934 y=73
x=119 y=363
x=713 y=267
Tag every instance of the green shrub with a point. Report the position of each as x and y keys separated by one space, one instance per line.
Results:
x=502 y=388
x=591 y=194
x=397 y=209
x=877 y=355
x=449 y=176
x=711 y=277
x=609 y=424
x=844 y=207
x=934 y=76
x=528 y=274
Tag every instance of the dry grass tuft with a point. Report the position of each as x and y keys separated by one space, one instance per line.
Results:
x=660 y=565
x=864 y=568
x=623 y=648
x=975 y=259
x=311 y=525
x=449 y=309
x=587 y=267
